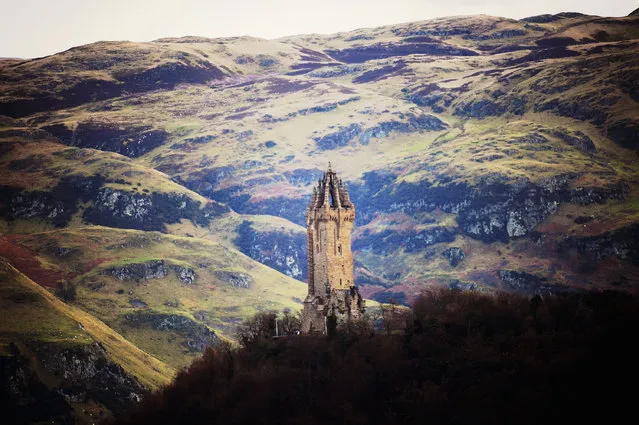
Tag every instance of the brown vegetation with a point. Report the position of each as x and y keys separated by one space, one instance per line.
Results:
x=466 y=358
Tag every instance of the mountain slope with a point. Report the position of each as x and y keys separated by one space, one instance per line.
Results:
x=54 y=348
x=481 y=152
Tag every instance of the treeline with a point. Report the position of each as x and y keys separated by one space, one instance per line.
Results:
x=464 y=359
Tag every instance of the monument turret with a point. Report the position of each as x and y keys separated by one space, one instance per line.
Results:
x=331 y=286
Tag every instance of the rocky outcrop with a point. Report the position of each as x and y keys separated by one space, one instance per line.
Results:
x=496 y=210
x=235 y=279
x=389 y=241
x=506 y=211
x=520 y=281
x=337 y=71
x=409 y=123
x=196 y=336
x=456 y=284
x=62 y=376
x=482 y=108
x=622 y=243
x=110 y=207
x=526 y=283
x=283 y=251
x=117 y=208
x=289 y=208
x=303 y=176
x=26 y=397
x=131 y=141
x=205 y=182
x=387 y=50
x=185 y=275
x=57 y=205
x=86 y=374
x=577 y=139
x=431 y=95
x=154 y=269
x=625 y=133
x=454 y=255
x=338 y=138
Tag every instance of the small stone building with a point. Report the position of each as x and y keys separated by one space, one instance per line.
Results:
x=331 y=286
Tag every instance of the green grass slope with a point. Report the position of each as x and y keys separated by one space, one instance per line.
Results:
x=169 y=295
x=69 y=351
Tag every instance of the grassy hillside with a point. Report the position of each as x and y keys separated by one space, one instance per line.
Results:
x=51 y=335
x=169 y=295
x=481 y=152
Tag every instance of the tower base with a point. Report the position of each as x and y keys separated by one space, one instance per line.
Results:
x=345 y=304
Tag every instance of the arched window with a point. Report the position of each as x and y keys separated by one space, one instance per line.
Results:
x=339 y=249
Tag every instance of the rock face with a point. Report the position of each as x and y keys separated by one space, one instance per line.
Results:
x=185 y=275
x=57 y=205
x=117 y=208
x=526 y=283
x=520 y=281
x=87 y=374
x=154 y=269
x=492 y=211
x=196 y=336
x=622 y=243
x=236 y=279
x=386 y=50
x=409 y=123
x=339 y=138
x=504 y=212
x=110 y=207
x=80 y=374
x=454 y=255
x=25 y=396
x=389 y=240
x=282 y=251
x=129 y=141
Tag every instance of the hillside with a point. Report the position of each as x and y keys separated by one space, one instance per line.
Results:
x=481 y=153
x=60 y=362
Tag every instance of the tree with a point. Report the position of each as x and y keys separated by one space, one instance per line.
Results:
x=257 y=328
x=289 y=323
x=388 y=313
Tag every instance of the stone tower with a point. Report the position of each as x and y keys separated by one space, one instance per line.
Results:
x=331 y=286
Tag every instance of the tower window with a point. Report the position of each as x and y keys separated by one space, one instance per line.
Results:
x=339 y=249
x=317 y=247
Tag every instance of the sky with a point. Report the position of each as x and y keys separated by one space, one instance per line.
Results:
x=34 y=28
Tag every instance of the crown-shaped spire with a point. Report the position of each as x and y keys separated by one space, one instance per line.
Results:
x=330 y=192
